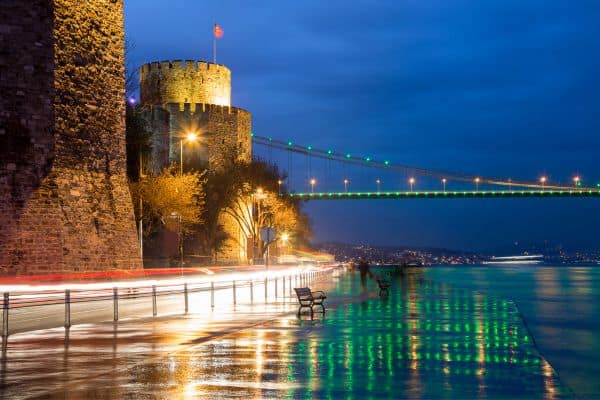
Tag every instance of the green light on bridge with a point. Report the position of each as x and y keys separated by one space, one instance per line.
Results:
x=329 y=152
x=290 y=144
x=348 y=155
x=386 y=162
x=309 y=147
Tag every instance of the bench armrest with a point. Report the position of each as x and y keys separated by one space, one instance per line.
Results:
x=318 y=294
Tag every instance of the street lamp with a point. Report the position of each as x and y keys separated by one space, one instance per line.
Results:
x=543 y=180
x=256 y=216
x=477 y=180
x=412 y=182
x=577 y=180
x=279 y=183
x=444 y=180
x=179 y=239
x=313 y=182
x=378 y=182
x=190 y=137
x=346 y=181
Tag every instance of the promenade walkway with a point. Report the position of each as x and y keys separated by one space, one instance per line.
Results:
x=425 y=341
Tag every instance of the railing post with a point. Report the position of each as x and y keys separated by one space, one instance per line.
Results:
x=251 y=291
x=5 y=308
x=266 y=285
x=290 y=280
x=67 y=308
x=234 y=294
x=275 y=287
x=283 y=291
x=115 y=304
x=185 y=295
x=212 y=294
x=154 y=310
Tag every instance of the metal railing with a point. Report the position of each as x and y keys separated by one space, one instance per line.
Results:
x=25 y=299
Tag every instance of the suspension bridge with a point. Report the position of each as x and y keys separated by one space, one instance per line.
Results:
x=342 y=171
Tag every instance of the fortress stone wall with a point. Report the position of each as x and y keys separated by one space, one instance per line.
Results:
x=64 y=200
x=196 y=96
x=185 y=82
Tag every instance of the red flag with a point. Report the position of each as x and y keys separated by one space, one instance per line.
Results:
x=218 y=31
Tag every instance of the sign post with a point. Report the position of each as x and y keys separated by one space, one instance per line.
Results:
x=267 y=235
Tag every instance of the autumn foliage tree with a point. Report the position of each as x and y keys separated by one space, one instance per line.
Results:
x=171 y=199
x=252 y=195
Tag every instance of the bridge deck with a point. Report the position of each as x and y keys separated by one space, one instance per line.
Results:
x=447 y=194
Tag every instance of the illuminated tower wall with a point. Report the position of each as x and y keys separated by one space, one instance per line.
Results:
x=196 y=95
x=64 y=199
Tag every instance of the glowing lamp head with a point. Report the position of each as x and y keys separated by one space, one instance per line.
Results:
x=191 y=137
x=279 y=182
x=411 y=180
x=313 y=181
x=285 y=237
x=378 y=181
x=346 y=181
x=543 y=179
x=477 y=180
x=577 y=179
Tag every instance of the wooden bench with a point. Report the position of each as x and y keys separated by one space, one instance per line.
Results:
x=384 y=287
x=308 y=299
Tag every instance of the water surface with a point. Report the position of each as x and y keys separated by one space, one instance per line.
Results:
x=561 y=305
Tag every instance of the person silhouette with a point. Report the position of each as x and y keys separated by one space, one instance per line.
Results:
x=364 y=268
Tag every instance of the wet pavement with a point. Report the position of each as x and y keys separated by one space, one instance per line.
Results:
x=425 y=340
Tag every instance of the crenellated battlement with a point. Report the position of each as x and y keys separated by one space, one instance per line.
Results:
x=193 y=108
x=187 y=65
x=185 y=81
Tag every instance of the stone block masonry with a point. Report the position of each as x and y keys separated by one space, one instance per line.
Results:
x=64 y=199
x=196 y=96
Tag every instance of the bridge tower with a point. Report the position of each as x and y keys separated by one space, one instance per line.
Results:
x=195 y=96
x=64 y=198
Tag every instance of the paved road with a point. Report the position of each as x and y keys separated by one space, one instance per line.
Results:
x=59 y=363
x=25 y=319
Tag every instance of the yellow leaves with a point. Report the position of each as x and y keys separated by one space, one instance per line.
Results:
x=171 y=197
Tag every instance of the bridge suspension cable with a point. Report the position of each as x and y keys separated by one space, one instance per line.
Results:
x=386 y=165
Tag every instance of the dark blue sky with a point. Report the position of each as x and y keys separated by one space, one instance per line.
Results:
x=501 y=88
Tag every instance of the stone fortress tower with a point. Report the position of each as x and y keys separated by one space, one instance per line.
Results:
x=195 y=96
x=64 y=198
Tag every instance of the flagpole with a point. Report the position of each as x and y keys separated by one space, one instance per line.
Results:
x=214 y=44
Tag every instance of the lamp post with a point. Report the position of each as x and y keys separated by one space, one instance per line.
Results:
x=444 y=180
x=190 y=137
x=279 y=183
x=412 y=182
x=378 y=182
x=257 y=196
x=576 y=180
x=313 y=182
x=346 y=181
x=477 y=180
x=141 y=175
x=543 y=180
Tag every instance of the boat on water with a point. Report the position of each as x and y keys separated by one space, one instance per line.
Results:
x=525 y=259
